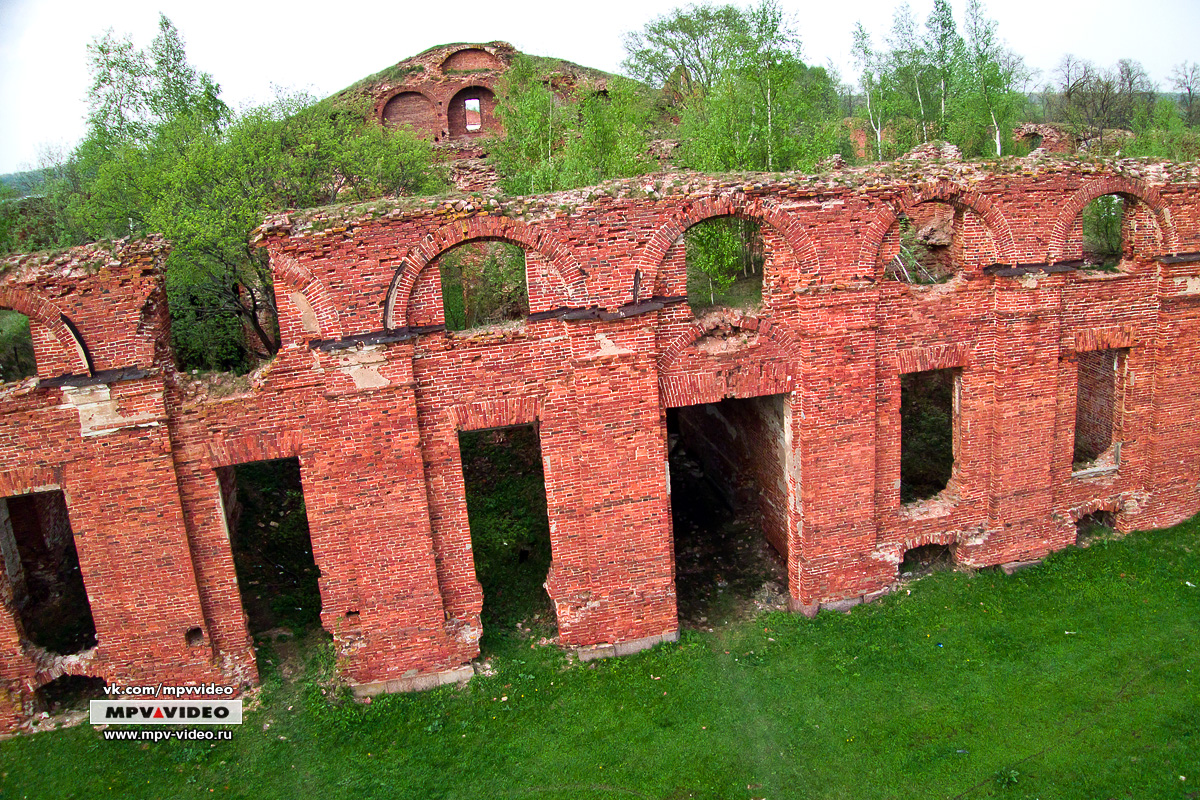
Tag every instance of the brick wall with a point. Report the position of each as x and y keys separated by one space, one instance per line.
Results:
x=369 y=394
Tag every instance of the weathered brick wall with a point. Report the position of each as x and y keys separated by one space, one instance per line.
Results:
x=369 y=394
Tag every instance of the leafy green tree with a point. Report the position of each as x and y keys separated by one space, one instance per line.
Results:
x=551 y=143
x=748 y=102
x=1185 y=79
x=1091 y=100
x=945 y=52
x=696 y=44
x=163 y=154
x=992 y=86
x=911 y=70
x=874 y=82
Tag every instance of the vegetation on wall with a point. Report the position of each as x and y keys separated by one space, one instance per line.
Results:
x=16 y=347
x=551 y=142
x=483 y=283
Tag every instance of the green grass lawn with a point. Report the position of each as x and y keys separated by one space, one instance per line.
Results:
x=1074 y=679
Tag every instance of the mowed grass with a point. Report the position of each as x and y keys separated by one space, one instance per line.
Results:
x=1073 y=679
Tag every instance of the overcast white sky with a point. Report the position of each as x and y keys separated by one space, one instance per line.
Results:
x=251 y=46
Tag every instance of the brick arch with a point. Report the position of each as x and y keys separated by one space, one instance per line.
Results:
x=50 y=667
x=943 y=192
x=562 y=260
x=1112 y=184
x=650 y=258
x=71 y=348
x=298 y=278
x=406 y=106
x=743 y=320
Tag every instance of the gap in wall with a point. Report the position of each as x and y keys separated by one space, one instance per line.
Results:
x=728 y=508
x=927 y=419
x=42 y=567
x=510 y=531
x=273 y=557
x=1095 y=406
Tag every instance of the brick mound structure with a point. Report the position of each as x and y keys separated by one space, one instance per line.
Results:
x=447 y=95
x=369 y=392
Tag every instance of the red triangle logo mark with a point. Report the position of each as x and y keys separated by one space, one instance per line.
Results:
x=157 y=713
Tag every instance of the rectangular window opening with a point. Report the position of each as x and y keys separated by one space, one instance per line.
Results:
x=1097 y=409
x=474 y=114
x=727 y=464
x=42 y=567
x=929 y=405
x=510 y=530
x=272 y=549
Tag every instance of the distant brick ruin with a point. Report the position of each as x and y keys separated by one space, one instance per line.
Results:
x=1074 y=393
x=447 y=95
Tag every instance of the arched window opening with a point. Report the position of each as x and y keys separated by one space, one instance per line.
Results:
x=483 y=283
x=1103 y=232
x=412 y=109
x=16 y=347
x=724 y=263
x=919 y=248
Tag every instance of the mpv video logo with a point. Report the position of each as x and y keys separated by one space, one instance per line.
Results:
x=166 y=712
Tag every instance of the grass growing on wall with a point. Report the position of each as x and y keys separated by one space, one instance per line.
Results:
x=1074 y=679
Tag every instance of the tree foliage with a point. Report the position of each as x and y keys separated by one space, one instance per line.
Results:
x=746 y=100
x=551 y=142
x=968 y=89
x=163 y=154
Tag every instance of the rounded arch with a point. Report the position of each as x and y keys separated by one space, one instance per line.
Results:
x=1112 y=184
x=470 y=59
x=407 y=107
x=458 y=119
x=943 y=192
x=562 y=260
x=298 y=279
x=652 y=254
x=72 y=350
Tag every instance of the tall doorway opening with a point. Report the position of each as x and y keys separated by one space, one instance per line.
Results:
x=729 y=508
x=510 y=531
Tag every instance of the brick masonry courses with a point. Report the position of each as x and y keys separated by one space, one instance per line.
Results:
x=370 y=394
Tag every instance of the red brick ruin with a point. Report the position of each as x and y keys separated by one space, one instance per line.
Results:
x=112 y=445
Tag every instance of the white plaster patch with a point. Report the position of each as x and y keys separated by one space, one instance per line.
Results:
x=308 y=317
x=362 y=367
x=608 y=347
x=1189 y=284
x=98 y=414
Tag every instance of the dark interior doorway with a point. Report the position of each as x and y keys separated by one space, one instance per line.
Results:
x=272 y=549
x=728 y=508
x=42 y=563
